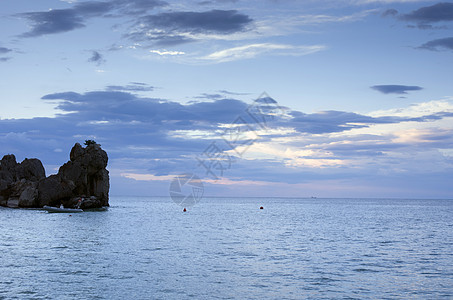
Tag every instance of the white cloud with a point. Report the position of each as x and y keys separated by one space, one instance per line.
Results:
x=237 y=182
x=307 y=156
x=193 y=134
x=287 y=24
x=385 y=148
x=418 y=109
x=419 y=136
x=166 y=52
x=321 y=19
x=147 y=177
x=253 y=50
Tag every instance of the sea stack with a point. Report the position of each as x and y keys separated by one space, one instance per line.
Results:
x=84 y=176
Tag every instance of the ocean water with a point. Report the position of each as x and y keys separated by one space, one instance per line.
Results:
x=227 y=248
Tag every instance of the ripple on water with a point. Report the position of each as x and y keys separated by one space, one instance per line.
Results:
x=147 y=249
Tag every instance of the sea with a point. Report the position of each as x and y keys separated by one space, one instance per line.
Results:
x=229 y=248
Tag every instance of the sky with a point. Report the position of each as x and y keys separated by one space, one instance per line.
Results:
x=289 y=98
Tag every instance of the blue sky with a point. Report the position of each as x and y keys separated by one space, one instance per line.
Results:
x=358 y=97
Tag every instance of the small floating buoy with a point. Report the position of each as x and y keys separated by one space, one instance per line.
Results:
x=184 y=210
x=261 y=207
x=70 y=215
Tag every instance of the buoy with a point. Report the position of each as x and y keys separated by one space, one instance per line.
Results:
x=261 y=207
x=184 y=210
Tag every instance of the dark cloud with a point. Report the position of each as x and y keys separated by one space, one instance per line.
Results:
x=210 y=96
x=4 y=50
x=436 y=13
x=214 y=21
x=221 y=94
x=439 y=44
x=96 y=57
x=64 y=20
x=232 y=93
x=389 y=12
x=121 y=105
x=333 y=121
x=170 y=28
x=216 y=2
x=3 y=59
x=395 y=89
x=147 y=135
x=54 y=21
x=433 y=117
x=425 y=16
x=164 y=29
x=166 y=135
x=124 y=106
x=93 y=8
x=132 y=87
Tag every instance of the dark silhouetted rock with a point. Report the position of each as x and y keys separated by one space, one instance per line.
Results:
x=6 y=179
x=9 y=164
x=76 y=152
x=87 y=170
x=91 y=202
x=30 y=169
x=84 y=176
x=53 y=190
x=25 y=192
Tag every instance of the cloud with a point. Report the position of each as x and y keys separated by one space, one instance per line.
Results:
x=216 y=2
x=233 y=93
x=253 y=50
x=150 y=138
x=118 y=104
x=166 y=52
x=54 y=21
x=4 y=50
x=96 y=57
x=3 y=59
x=425 y=16
x=390 y=12
x=138 y=7
x=439 y=44
x=221 y=94
x=64 y=20
x=172 y=28
x=132 y=87
x=436 y=13
x=334 y=121
x=395 y=89
x=210 y=96
x=219 y=21
x=361 y=2
x=292 y=23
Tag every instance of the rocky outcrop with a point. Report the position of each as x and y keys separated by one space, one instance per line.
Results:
x=83 y=177
x=18 y=182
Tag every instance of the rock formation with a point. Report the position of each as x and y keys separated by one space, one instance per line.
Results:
x=83 y=176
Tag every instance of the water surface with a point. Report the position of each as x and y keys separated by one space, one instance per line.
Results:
x=227 y=248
